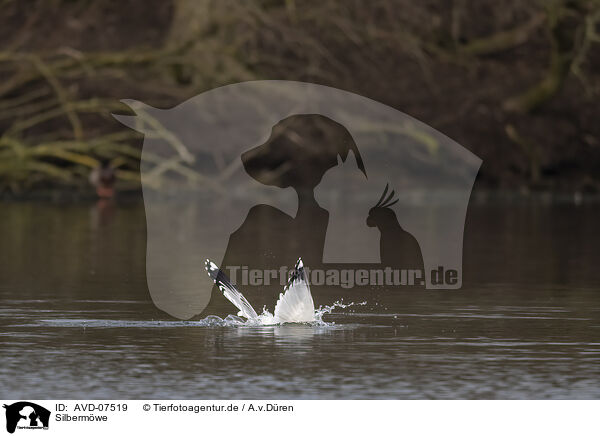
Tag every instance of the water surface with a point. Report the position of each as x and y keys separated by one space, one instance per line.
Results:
x=77 y=321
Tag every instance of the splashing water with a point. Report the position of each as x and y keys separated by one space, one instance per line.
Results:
x=295 y=304
x=266 y=318
x=324 y=310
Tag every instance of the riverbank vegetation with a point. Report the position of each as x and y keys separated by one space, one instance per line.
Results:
x=515 y=82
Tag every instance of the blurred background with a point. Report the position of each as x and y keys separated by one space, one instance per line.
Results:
x=516 y=84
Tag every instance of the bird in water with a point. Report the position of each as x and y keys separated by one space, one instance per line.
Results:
x=103 y=178
x=295 y=303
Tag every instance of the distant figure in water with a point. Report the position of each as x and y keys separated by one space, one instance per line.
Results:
x=103 y=178
x=398 y=248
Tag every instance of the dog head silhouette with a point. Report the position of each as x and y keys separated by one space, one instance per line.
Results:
x=300 y=149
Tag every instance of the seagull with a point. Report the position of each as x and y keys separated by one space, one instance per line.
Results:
x=295 y=303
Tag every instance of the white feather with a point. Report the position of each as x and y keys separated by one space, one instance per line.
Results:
x=229 y=291
x=296 y=304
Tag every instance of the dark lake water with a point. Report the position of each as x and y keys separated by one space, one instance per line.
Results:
x=77 y=321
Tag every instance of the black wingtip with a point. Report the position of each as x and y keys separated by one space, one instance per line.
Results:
x=212 y=270
x=297 y=273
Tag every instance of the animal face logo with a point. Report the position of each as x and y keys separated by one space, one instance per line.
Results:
x=257 y=174
x=26 y=415
x=299 y=151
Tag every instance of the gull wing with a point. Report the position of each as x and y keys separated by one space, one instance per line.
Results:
x=296 y=304
x=229 y=291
